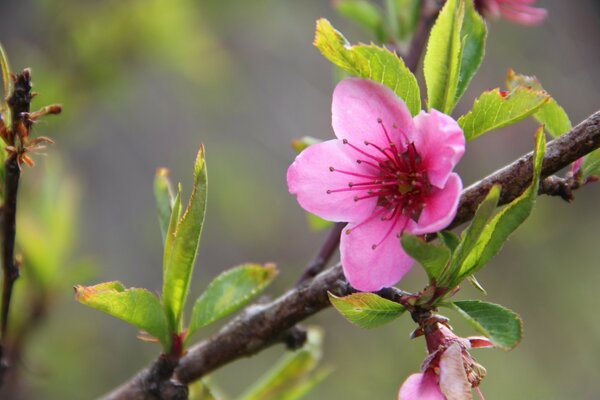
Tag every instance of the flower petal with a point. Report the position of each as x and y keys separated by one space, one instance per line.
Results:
x=421 y=387
x=440 y=142
x=358 y=105
x=523 y=14
x=440 y=208
x=476 y=342
x=369 y=269
x=309 y=177
x=453 y=377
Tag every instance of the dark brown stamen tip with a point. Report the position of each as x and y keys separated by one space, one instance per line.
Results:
x=331 y=169
x=379 y=120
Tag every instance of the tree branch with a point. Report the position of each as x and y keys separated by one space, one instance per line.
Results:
x=262 y=326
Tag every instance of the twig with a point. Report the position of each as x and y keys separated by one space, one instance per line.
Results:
x=261 y=326
x=19 y=103
x=317 y=264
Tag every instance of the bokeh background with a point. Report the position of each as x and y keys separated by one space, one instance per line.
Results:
x=144 y=82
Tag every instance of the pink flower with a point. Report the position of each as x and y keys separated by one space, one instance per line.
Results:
x=385 y=174
x=449 y=373
x=519 y=11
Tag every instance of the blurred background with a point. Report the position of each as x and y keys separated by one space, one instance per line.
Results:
x=144 y=82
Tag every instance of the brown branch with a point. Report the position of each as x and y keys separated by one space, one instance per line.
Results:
x=317 y=264
x=429 y=12
x=262 y=326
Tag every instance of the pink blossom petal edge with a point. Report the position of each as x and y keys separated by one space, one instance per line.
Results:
x=357 y=107
x=440 y=208
x=309 y=178
x=421 y=387
x=441 y=144
x=369 y=269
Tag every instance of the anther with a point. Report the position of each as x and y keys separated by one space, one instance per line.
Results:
x=331 y=169
x=348 y=231
x=373 y=247
x=328 y=191
x=345 y=141
x=379 y=120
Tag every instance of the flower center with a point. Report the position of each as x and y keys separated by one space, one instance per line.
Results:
x=394 y=175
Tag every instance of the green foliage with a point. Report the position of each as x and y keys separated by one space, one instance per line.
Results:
x=165 y=199
x=366 y=310
x=229 y=292
x=365 y=14
x=454 y=53
x=294 y=375
x=432 y=257
x=405 y=18
x=139 y=307
x=317 y=223
x=501 y=325
x=495 y=233
x=591 y=165
x=369 y=61
x=496 y=109
x=182 y=246
x=551 y=114
x=8 y=89
x=304 y=142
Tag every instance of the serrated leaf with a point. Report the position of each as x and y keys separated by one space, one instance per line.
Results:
x=442 y=59
x=551 y=114
x=473 y=34
x=433 y=258
x=165 y=199
x=138 y=307
x=504 y=223
x=317 y=223
x=304 y=142
x=367 y=310
x=591 y=165
x=501 y=325
x=229 y=292
x=365 y=14
x=369 y=61
x=496 y=109
x=181 y=247
x=292 y=377
x=471 y=235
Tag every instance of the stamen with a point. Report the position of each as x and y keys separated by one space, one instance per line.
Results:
x=364 y=153
x=371 y=218
x=395 y=216
x=385 y=153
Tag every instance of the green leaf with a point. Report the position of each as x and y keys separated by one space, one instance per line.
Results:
x=591 y=165
x=138 y=307
x=8 y=88
x=408 y=13
x=181 y=247
x=366 y=310
x=432 y=257
x=304 y=142
x=450 y=239
x=551 y=114
x=292 y=377
x=473 y=34
x=369 y=61
x=165 y=199
x=229 y=292
x=365 y=14
x=504 y=223
x=496 y=109
x=317 y=223
x=471 y=235
x=501 y=325
x=442 y=59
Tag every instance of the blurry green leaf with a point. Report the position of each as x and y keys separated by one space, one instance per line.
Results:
x=473 y=35
x=366 y=310
x=442 y=59
x=8 y=88
x=138 y=307
x=205 y=389
x=369 y=61
x=181 y=248
x=471 y=235
x=163 y=193
x=432 y=257
x=496 y=233
x=292 y=377
x=473 y=281
x=304 y=142
x=496 y=109
x=317 y=223
x=229 y=292
x=365 y=14
x=591 y=164
x=407 y=15
x=501 y=325
x=551 y=114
